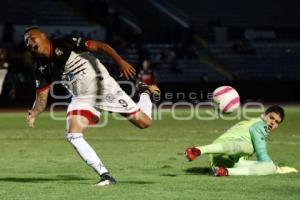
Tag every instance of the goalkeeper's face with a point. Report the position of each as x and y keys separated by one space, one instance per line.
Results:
x=272 y=120
x=37 y=42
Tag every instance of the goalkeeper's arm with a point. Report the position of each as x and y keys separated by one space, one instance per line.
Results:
x=258 y=138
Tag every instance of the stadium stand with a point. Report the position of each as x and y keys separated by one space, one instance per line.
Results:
x=179 y=55
x=33 y=12
x=240 y=13
x=267 y=61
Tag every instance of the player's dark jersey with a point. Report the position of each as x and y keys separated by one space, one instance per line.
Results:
x=52 y=69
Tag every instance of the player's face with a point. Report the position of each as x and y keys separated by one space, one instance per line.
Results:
x=272 y=120
x=37 y=42
x=146 y=65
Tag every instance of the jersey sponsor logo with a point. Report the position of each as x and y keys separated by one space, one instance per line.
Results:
x=111 y=97
x=69 y=76
x=77 y=40
x=58 y=51
x=42 y=68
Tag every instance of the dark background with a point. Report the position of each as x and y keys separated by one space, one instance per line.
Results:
x=193 y=46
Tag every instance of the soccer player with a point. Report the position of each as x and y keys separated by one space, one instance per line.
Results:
x=230 y=151
x=146 y=75
x=69 y=60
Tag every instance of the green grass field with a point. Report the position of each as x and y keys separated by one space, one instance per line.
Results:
x=39 y=164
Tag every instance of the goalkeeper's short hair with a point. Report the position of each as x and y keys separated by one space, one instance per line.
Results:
x=276 y=109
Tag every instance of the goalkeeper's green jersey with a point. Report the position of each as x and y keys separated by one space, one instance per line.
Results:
x=253 y=131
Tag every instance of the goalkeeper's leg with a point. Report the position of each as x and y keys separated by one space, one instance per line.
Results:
x=253 y=168
x=244 y=163
x=228 y=148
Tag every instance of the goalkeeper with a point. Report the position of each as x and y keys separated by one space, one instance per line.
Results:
x=230 y=150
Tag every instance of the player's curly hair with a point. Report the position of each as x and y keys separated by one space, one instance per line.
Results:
x=276 y=109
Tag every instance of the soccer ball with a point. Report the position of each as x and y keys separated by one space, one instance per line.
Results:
x=227 y=99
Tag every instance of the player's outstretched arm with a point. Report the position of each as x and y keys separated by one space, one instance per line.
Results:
x=124 y=67
x=258 y=138
x=38 y=106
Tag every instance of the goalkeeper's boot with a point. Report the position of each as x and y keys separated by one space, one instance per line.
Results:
x=220 y=171
x=192 y=153
x=106 y=179
x=150 y=89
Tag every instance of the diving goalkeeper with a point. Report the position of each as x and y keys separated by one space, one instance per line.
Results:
x=230 y=151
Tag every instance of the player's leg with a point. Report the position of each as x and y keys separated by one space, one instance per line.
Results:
x=77 y=122
x=229 y=161
x=255 y=168
x=221 y=148
x=222 y=161
x=244 y=163
x=139 y=119
x=142 y=118
x=229 y=148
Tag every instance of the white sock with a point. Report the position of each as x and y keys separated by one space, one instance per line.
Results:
x=145 y=104
x=86 y=152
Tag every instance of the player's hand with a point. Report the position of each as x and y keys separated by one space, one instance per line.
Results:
x=31 y=118
x=126 y=69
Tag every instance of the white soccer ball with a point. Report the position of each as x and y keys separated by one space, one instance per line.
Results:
x=227 y=99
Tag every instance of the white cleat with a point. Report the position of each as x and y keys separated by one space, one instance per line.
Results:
x=106 y=180
x=103 y=183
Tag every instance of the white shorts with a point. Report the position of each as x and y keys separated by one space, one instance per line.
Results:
x=88 y=107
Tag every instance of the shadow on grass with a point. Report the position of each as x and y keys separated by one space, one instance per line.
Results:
x=137 y=182
x=169 y=175
x=36 y=179
x=199 y=170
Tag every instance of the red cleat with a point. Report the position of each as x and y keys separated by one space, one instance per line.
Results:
x=192 y=153
x=220 y=171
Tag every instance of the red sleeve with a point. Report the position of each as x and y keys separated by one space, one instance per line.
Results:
x=88 y=44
